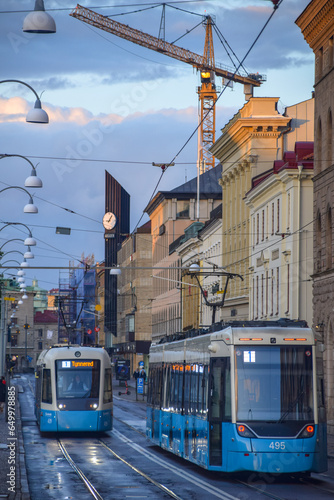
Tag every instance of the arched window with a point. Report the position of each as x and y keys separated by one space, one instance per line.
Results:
x=329 y=238
x=329 y=140
x=318 y=158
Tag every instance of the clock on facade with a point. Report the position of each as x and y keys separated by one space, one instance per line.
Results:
x=109 y=220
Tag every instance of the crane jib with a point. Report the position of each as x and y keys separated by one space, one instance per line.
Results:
x=140 y=38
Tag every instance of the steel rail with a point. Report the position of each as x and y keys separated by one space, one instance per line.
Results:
x=79 y=472
x=135 y=469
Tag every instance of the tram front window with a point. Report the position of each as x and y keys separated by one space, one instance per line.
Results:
x=274 y=383
x=77 y=379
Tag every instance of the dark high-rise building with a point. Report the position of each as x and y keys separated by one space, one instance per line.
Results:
x=116 y=222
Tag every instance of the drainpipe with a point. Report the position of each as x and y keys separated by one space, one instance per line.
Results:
x=300 y=170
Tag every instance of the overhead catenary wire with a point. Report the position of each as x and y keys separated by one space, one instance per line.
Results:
x=210 y=109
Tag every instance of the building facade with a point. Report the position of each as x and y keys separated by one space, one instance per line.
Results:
x=171 y=212
x=249 y=144
x=317 y=25
x=281 y=244
x=134 y=298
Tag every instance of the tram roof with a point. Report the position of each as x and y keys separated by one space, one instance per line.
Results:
x=65 y=351
x=280 y=332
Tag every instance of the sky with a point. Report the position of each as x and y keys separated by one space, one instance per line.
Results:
x=117 y=106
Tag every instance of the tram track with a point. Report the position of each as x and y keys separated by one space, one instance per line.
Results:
x=89 y=485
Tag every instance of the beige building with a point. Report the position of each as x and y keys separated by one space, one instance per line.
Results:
x=171 y=212
x=134 y=299
x=317 y=25
x=281 y=246
x=249 y=144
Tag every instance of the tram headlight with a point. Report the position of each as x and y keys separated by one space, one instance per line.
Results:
x=244 y=431
x=307 y=432
x=61 y=406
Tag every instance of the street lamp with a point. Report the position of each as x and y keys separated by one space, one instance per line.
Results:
x=36 y=115
x=32 y=181
x=39 y=21
x=115 y=271
x=30 y=208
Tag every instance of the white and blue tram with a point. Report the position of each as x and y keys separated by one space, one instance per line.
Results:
x=74 y=389
x=245 y=397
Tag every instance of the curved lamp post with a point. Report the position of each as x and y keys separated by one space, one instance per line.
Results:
x=32 y=181
x=36 y=115
x=30 y=208
x=13 y=239
x=39 y=21
x=30 y=241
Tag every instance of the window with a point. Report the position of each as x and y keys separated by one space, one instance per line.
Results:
x=287 y=288
x=262 y=225
x=79 y=382
x=40 y=346
x=46 y=386
x=329 y=140
x=277 y=291
x=278 y=216
x=329 y=238
x=272 y=218
x=318 y=164
x=182 y=211
x=107 y=391
x=257 y=228
x=274 y=383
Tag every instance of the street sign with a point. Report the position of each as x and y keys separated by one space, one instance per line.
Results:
x=141 y=364
x=140 y=386
x=9 y=298
x=89 y=331
x=96 y=329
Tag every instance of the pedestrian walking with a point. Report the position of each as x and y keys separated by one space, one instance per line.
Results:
x=136 y=373
x=142 y=374
x=2 y=393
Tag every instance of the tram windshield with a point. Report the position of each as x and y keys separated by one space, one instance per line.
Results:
x=77 y=379
x=274 y=383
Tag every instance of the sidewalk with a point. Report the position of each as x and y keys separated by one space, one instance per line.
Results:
x=13 y=476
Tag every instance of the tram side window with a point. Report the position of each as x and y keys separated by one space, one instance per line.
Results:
x=166 y=399
x=175 y=387
x=46 y=386
x=194 y=389
x=180 y=389
x=186 y=389
x=107 y=392
x=155 y=392
x=203 y=390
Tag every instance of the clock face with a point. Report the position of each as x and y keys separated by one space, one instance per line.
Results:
x=109 y=220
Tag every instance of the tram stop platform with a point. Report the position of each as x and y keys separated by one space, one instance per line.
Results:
x=13 y=476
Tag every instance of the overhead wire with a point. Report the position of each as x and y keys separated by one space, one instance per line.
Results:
x=211 y=107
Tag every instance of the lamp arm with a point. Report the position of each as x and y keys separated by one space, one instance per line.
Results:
x=4 y=155
x=23 y=83
x=16 y=224
x=14 y=239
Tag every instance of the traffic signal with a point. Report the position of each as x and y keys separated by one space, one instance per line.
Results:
x=9 y=334
x=26 y=326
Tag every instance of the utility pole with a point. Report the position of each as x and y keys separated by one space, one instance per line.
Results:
x=26 y=326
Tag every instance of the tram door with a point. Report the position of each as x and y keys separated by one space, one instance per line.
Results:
x=216 y=396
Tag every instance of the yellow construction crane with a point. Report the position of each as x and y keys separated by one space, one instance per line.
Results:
x=205 y=64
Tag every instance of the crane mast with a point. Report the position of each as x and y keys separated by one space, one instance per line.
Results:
x=204 y=63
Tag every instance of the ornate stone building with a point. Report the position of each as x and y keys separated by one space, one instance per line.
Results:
x=317 y=25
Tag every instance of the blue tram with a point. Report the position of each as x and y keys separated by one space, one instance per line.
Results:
x=74 y=389
x=245 y=397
